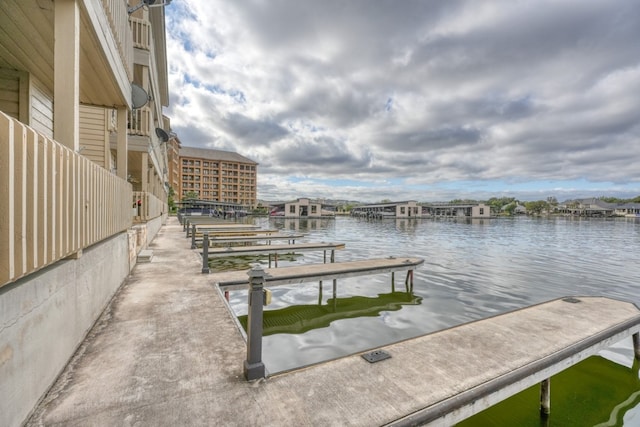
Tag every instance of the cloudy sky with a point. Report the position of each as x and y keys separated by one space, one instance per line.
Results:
x=426 y=100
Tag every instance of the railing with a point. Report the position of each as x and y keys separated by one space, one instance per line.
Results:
x=141 y=30
x=54 y=202
x=116 y=11
x=140 y=121
x=146 y=206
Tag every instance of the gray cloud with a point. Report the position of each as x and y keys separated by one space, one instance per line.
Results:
x=417 y=92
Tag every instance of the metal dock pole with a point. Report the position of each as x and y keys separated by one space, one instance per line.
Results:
x=193 y=237
x=205 y=253
x=253 y=366
x=545 y=397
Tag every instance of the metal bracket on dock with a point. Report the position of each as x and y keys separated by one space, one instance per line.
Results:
x=376 y=356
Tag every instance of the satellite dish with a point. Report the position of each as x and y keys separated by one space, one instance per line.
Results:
x=139 y=96
x=164 y=136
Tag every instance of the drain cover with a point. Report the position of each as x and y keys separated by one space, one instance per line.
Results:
x=376 y=356
x=571 y=300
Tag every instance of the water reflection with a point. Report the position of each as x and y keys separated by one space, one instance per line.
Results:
x=299 y=319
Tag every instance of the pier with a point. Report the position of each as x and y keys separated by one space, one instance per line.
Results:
x=272 y=250
x=233 y=280
x=167 y=351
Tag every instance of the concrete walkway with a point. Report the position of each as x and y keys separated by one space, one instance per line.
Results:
x=167 y=352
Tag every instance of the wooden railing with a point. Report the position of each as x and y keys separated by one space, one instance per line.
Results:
x=116 y=11
x=53 y=202
x=140 y=121
x=146 y=206
x=141 y=30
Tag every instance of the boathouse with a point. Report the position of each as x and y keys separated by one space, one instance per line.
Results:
x=405 y=209
x=456 y=210
x=302 y=208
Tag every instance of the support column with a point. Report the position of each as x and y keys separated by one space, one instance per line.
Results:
x=545 y=397
x=66 y=74
x=636 y=345
x=122 y=143
x=254 y=367
x=144 y=172
x=205 y=253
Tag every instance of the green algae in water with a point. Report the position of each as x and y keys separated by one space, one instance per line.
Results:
x=594 y=392
x=245 y=262
x=298 y=319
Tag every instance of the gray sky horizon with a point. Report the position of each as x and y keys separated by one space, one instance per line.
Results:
x=430 y=101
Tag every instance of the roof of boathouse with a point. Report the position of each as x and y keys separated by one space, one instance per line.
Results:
x=386 y=204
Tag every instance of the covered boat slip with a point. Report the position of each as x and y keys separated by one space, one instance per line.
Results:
x=445 y=377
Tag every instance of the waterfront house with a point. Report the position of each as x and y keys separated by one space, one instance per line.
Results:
x=83 y=162
x=596 y=207
x=403 y=209
x=302 y=208
x=456 y=210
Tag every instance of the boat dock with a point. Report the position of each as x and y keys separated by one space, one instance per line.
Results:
x=167 y=351
x=272 y=250
x=228 y=240
x=234 y=280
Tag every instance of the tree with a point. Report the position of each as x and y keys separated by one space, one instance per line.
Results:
x=171 y=200
x=190 y=195
x=510 y=208
x=537 y=207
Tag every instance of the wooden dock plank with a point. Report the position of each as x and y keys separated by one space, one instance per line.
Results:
x=314 y=272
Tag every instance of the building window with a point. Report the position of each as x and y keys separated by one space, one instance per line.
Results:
x=314 y=209
x=292 y=209
x=481 y=211
x=402 y=210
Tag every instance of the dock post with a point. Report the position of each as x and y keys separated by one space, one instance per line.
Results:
x=333 y=255
x=335 y=288
x=545 y=397
x=393 y=281
x=193 y=237
x=205 y=253
x=636 y=345
x=253 y=366
x=320 y=293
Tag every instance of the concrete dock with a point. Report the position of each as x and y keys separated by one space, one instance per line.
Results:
x=167 y=352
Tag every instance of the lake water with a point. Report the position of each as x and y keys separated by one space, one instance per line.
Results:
x=473 y=269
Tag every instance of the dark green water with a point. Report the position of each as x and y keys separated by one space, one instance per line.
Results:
x=594 y=392
x=472 y=270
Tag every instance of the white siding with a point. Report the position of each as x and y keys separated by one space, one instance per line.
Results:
x=93 y=134
x=41 y=114
x=10 y=93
